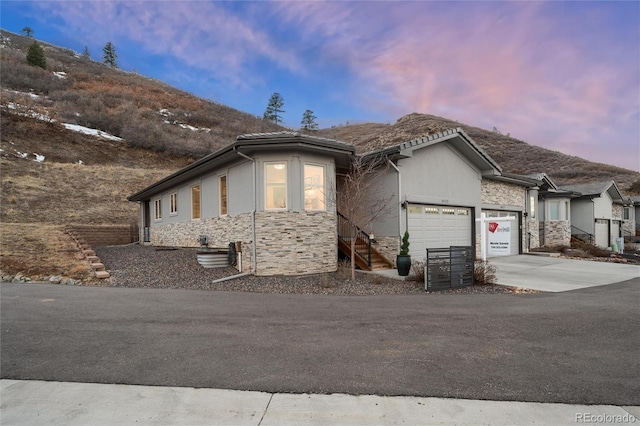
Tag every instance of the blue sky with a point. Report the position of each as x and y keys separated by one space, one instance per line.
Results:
x=562 y=75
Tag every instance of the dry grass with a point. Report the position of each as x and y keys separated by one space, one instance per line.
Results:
x=37 y=250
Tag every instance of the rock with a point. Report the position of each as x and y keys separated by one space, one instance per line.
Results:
x=55 y=279
x=70 y=281
x=26 y=279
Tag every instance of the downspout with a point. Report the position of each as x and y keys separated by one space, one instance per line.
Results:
x=253 y=212
x=399 y=199
x=253 y=227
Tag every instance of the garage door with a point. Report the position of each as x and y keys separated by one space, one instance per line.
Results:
x=514 y=243
x=602 y=232
x=615 y=230
x=432 y=226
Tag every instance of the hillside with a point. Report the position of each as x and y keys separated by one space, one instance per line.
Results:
x=513 y=155
x=79 y=137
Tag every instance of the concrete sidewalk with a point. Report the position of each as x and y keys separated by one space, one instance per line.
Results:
x=64 y=403
x=555 y=275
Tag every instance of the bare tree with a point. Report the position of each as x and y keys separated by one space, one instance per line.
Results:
x=361 y=197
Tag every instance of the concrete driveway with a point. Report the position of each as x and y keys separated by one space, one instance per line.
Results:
x=554 y=275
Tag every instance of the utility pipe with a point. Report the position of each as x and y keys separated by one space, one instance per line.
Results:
x=399 y=197
x=253 y=213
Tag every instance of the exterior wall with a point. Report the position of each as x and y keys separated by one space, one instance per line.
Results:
x=629 y=225
x=532 y=237
x=602 y=207
x=220 y=232
x=557 y=233
x=616 y=211
x=389 y=247
x=296 y=243
x=582 y=215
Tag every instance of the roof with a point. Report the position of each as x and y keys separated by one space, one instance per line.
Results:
x=596 y=189
x=546 y=182
x=457 y=137
x=248 y=144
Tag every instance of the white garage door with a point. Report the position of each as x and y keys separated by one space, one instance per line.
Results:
x=602 y=232
x=433 y=226
x=615 y=230
x=514 y=243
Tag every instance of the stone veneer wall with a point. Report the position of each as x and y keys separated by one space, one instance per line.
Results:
x=557 y=233
x=628 y=228
x=616 y=212
x=296 y=242
x=389 y=247
x=504 y=194
x=533 y=227
x=220 y=232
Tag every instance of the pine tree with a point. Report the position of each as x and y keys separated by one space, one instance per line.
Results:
x=35 y=56
x=309 y=121
x=109 y=56
x=85 y=53
x=274 y=108
x=27 y=31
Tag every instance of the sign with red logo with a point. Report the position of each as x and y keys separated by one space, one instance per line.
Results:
x=499 y=238
x=493 y=226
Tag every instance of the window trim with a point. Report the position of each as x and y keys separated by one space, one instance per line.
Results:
x=226 y=195
x=286 y=186
x=193 y=187
x=157 y=209
x=323 y=196
x=173 y=203
x=626 y=213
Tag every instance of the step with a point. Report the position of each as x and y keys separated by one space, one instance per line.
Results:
x=89 y=252
x=97 y=266
x=93 y=259
x=102 y=274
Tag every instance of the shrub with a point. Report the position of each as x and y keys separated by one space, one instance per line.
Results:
x=484 y=273
x=404 y=247
x=593 y=250
x=417 y=271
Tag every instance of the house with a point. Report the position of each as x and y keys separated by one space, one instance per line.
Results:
x=553 y=212
x=276 y=195
x=597 y=213
x=270 y=192
x=631 y=217
x=441 y=184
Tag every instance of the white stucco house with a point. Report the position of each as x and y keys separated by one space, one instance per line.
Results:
x=596 y=213
x=275 y=194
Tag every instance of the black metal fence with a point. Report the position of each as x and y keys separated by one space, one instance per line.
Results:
x=450 y=267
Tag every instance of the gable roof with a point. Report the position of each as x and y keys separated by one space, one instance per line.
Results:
x=456 y=137
x=596 y=189
x=247 y=144
x=546 y=182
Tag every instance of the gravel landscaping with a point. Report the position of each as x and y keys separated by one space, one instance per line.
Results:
x=151 y=267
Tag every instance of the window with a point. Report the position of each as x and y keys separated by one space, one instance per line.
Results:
x=173 y=203
x=275 y=185
x=449 y=211
x=158 y=209
x=431 y=210
x=223 y=195
x=195 y=202
x=532 y=206
x=463 y=212
x=558 y=210
x=314 y=187
x=626 y=214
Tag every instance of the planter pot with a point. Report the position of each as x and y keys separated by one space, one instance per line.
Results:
x=403 y=263
x=213 y=259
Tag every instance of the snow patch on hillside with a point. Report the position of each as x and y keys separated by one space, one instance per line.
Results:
x=92 y=132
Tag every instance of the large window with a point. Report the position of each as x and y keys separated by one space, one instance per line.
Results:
x=558 y=210
x=158 y=209
x=173 y=203
x=532 y=206
x=223 y=195
x=314 y=187
x=275 y=185
x=626 y=213
x=195 y=202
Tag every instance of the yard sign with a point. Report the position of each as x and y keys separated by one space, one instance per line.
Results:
x=498 y=240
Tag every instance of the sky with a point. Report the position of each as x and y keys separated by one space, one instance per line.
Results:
x=561 y=75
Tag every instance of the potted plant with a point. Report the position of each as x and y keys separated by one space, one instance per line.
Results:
x=403 y=260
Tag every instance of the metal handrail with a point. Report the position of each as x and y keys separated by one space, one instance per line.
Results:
x=582 y=235
x=346 y=232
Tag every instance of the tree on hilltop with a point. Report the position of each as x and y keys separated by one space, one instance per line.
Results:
x=308 y=122
x=35 y=56
x=85 y=53
x=109 y=55
x=27 y=31
x=274 y=108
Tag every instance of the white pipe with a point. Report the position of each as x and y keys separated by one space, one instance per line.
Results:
x=232 y=277
x=399 y=197
x=253 y=212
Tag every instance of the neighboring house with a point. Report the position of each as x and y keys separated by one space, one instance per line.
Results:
x=440 y=185
x=596 y=214
x=631 y=217
x=553 y=212
x=270 y=192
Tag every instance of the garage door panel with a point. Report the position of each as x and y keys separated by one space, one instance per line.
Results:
x=433 y=226
x=602 y=232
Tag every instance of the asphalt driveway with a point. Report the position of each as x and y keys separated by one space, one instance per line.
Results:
x=554 y=274
x=575 y=347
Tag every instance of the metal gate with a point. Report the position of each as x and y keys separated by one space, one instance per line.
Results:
x=450 y=267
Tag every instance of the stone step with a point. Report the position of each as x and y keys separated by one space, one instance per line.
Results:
x=97 y=266
x=102 y=274
x=89 y=252
x=93 y=259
